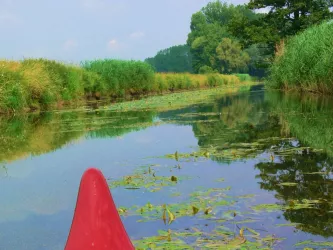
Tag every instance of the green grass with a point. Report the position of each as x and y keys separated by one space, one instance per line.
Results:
x=123 y=77
x=306 y=62
x=40 y=84
x=12 y=91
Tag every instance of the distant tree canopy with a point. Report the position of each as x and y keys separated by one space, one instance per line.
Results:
x=237 y=39
x=213 y=39
x=173 y=59
x=257 y=33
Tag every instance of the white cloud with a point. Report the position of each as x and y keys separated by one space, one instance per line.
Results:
x=70 y=44
x=113 y=44
x=137 y=35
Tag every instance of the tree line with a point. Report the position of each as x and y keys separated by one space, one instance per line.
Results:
x=229 y=38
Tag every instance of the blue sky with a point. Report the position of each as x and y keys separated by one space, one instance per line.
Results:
x=74 y=30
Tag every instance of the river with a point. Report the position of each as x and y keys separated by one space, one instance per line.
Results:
x=250 y=169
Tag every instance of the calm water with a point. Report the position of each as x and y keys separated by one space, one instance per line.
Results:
x=257 y=161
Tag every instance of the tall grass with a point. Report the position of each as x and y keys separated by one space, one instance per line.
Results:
x=40 y=83
x=123 y=77
x=12 y=89
x=34 y=84
x=181 y=81
x=305 y=63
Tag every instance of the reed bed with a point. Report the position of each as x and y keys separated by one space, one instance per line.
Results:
x=40 y=84
x=305 y=62
x=182 y=81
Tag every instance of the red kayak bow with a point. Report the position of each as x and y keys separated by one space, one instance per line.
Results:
x=96 y=223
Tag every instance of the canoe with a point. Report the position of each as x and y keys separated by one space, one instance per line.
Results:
x=96 y=223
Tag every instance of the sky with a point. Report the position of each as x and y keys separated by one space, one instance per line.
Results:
x=75 y=30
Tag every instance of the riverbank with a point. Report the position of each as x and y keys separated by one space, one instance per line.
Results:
x=40 y=84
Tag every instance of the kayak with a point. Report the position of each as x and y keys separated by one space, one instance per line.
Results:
x=96 y=223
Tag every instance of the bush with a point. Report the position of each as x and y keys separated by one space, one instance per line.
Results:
x=207 y=70
x=244 y=77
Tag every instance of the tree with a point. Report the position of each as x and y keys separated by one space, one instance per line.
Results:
x=173 y=59
x=260 y=59
x=231 y=56
x=210 y=26
x=203 y=40
x=292 y=16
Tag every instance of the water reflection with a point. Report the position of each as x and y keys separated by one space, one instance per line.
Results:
x=38 y=134
x=285 y=142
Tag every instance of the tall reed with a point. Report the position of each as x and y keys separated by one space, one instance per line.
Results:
x=180 y=81
x=123 y=77
x=34 y=84
x=305 y=62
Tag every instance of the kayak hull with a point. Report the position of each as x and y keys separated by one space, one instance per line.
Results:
x=96 y=223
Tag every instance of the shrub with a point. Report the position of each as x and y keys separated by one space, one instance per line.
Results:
x=244 y=77
x=206 y=70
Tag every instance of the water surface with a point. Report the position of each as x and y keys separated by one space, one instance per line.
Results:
x=254 y=166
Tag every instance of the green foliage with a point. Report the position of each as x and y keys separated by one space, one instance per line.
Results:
x=230 y=56
x=260 y=59
x=123 y=77
x=255 y=31
x=214 y=80
x=209 y=28
x=34 y=84
x=94 y=84
x=206 y=70
x=290 y=16
x=244 y=77
x=178 y=82
x=12 y=92
x=173 y=59
x=306 y=62
x=64 y=80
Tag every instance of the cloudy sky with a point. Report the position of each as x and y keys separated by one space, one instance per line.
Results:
x=74 y=30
